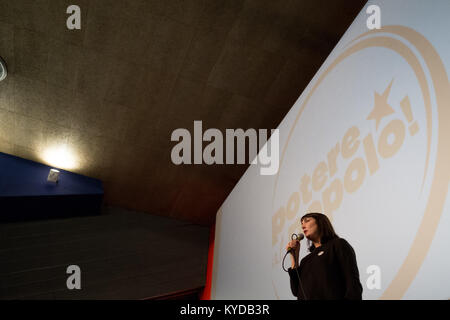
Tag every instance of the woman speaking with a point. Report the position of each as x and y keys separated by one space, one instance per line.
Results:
x=330 y=270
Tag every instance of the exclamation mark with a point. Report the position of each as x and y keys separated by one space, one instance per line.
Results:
x=406 y=108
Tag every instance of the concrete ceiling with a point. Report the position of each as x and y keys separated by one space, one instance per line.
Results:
x=114 y=91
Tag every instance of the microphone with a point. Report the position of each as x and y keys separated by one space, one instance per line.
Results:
x=298 y=237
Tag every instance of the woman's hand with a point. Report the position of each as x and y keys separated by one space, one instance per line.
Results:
x=295 y=246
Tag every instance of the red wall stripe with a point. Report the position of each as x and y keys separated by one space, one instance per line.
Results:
x=206 y=294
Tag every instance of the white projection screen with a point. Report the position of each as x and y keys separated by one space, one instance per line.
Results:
x=368 y=144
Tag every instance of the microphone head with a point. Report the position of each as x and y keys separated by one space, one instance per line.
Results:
x=301 y=236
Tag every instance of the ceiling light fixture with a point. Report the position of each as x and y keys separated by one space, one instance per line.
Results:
x=3 y=70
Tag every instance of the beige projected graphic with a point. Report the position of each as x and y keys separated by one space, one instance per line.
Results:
x=378 y=147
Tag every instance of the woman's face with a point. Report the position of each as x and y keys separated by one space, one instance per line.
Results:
x=310 y=229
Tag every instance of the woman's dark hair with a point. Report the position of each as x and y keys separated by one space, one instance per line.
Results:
x=324 y=228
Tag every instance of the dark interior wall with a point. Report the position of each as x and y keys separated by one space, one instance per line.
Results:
x=115 y=90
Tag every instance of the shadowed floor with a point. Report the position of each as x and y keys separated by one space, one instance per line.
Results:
x=121 y=254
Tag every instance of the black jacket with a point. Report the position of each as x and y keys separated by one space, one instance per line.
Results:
x=328 y=272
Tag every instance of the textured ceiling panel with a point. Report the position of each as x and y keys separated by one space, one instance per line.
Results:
x=110 y=95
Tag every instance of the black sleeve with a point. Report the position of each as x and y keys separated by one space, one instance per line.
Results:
x=347 y=259
x=294 y=281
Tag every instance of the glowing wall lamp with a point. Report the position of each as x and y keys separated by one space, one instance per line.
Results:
x=53 y=176
x=60 y=156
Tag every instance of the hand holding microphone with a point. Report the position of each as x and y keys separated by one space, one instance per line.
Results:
x=293 y=248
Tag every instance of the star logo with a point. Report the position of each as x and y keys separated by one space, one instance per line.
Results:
x=381 y=108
